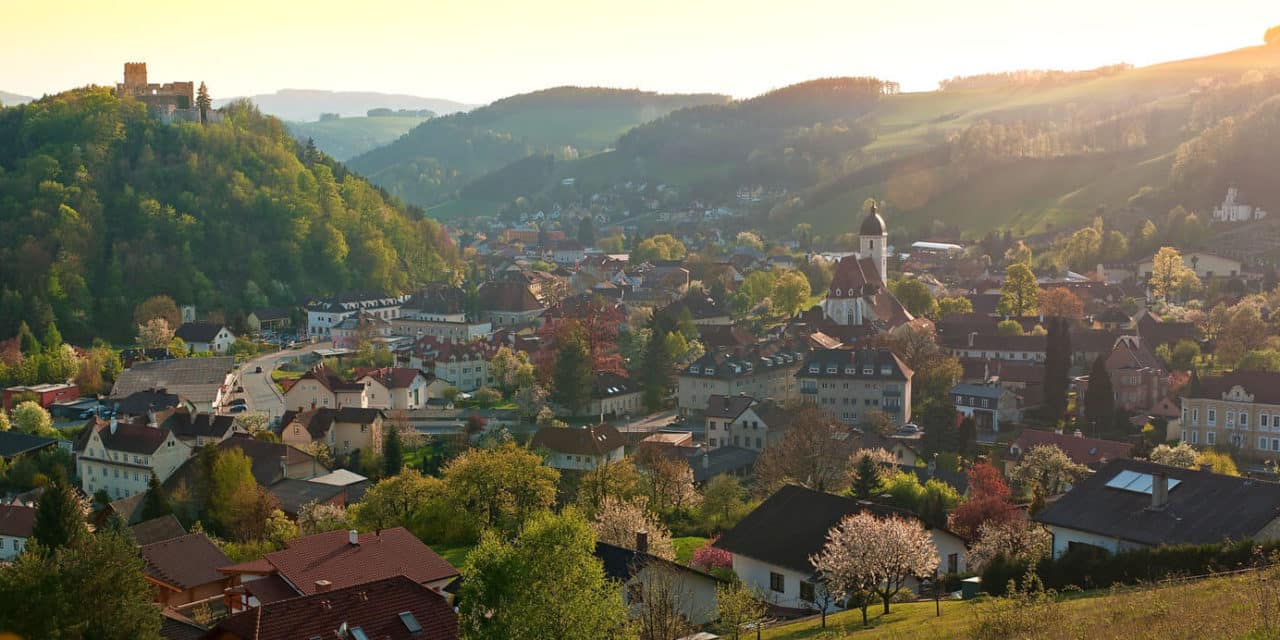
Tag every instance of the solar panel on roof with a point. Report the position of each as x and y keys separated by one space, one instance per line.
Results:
x=1136 y=482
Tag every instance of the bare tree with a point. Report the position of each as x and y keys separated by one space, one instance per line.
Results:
x=618 y=521
x=811 y=453
x=866 y=554
x=1015 y=539
x=663 y=603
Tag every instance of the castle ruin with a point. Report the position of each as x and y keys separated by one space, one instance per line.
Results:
x=171 y=101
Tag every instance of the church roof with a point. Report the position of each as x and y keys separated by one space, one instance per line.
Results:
x=873 y=224
x=853 y=275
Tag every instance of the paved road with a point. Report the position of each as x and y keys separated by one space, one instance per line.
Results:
x=648 y=424
x=260 y=393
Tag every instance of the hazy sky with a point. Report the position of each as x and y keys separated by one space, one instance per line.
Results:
x=480 y=50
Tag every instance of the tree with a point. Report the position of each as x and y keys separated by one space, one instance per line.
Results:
x=790 y=293
x=915 y=296
x=808 y=454
x=1016 y=538
x=511 y=370
x=1272 y=36
x=757 y=287
x=499 y=489
x=659 y=362
x=571 y=383
x=47 y=591
x=158 y=307
x=31 y=418
x=1009 y=328
x=204 y=102
x=544 y=583
x=1060 y=301
x=722 y=499
x=1218 y=462
x=737 y=606
x=618 y=480
x=958 y=304
x=617 y=522
x=1020 y=293
x=969 y=516
x=392 y=452
x=319 y=517
x=663 y=601
x=156 y=502
x=1243 y=332
x=5 y=425
x=1100 y=399
x=155 y=333
x=666 y=480
x=941 y=433
x=1057 y=368
x=868 y=470
x=60 y=518
x=936 y=371
x=1179 y=455
x=864 y=553
x=408 y=500
x=1019 y=253
x=27 y=343
x=1047 y=467
x=237 y=507
x=1184 y=355
x=660 y=247
x=1170 y=275
x=587 y=231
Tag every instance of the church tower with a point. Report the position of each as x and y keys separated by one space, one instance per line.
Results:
x=872 y=240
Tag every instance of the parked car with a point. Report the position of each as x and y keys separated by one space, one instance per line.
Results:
x=257 y=369
x=238 y=408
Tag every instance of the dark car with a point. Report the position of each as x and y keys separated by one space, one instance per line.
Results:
x=239 y=408
x=236 y=402
x=257 y=370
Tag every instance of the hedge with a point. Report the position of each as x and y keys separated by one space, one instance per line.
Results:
x=1091 y=568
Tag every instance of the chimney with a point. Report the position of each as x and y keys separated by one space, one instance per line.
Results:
x=971 y=335
x=353 y=537
x=323 y=586
x=114 y=424
x=1159 y=490
x=642 y=541
x=706 y=460
x=151 y=419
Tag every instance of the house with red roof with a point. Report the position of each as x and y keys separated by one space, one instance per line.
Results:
x=392 y=608
x=394 y=388
x=16 y=522
x=321 y=388
x=334 y=561
x=184 y=570
x=1091 y=452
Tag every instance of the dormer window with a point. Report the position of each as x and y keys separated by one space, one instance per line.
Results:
x=711 y=371
x=837 y=293
x=832 y=369
x=695 y=369
x=849 y=371
x=868 y=370
x=886 y=370
x=815 y=369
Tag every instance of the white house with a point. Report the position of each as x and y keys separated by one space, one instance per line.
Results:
x=202 y=337
x=638 y=572
x=16 y=521
x=119 y=457
x=323 y=315
x=394 y=388
x=1135 y=504
x=1232 y=210
x=581 y=449
x=772 y=544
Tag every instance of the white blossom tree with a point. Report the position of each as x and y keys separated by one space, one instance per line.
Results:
x=319 y=517
x=1049 y=467
x=1179 y=455
x=1014 y=539
x=617 y=522
x=865 y=555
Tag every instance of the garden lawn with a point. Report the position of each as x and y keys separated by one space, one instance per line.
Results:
x=457 y=556
x=686 y=546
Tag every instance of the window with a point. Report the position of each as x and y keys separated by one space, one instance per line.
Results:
x=1195 y=416
x=1244 y=420
x=806 y=591
x=1212 y=417
x=1263 y=419
x=1195 y=437
x=1231 y=419
x=953 y=563
x=1262 y=444
x=759 y=443
x=777 y=582
x=1211 y=438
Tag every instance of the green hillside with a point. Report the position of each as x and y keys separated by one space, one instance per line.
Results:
x=345 y=138
x=430 y=163
x=1029 y=151
x=102 y=206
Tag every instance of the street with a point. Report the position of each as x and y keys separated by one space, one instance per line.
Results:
x=260 y=392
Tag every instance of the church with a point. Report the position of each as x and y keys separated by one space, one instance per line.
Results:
x=858 y=297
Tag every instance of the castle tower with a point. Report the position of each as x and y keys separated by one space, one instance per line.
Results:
x=872 y=241
x=135 y=78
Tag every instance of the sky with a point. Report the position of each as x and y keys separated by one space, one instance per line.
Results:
x=477 y=51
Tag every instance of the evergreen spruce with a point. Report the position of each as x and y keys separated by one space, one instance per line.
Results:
x=392 y=452
x=867 y=481
x=1057 y=368
x=1100 y=399
x=156 y=502
x=59 y=518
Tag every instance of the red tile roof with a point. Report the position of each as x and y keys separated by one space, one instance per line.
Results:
x=330 y=556
x=378 y=608
x=184 y=562
x=16 y=520
x=1087 y=451
x=852 y=277
x=596 y=440
x=391 y=377
x=1264 y=386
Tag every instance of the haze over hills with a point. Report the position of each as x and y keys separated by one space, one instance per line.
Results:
x=9 y=99
x=344 y=138
x=431 y=162
x=1028 y=151
x=306 y=105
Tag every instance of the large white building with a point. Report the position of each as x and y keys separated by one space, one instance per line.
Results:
x=324 y=315
x=858 y=295
x=119 y=457
x=1231 y=210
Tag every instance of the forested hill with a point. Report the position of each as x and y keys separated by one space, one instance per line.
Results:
x=432 y=162
x=102 y=206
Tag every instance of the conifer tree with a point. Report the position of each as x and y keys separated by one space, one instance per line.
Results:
x=866 y=479
x=1057 y=368
x=392 y=452
x=1100 y=399
x=59 y=518
x=204 y=102
x=156 y=502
